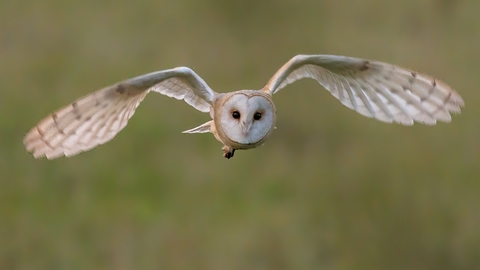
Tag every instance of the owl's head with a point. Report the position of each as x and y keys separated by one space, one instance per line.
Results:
x=246 y=118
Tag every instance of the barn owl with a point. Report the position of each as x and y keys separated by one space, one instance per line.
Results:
x=244 y=119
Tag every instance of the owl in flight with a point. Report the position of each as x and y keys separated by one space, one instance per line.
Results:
x=244 y=119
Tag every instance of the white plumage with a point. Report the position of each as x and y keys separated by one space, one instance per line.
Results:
x=244 y=119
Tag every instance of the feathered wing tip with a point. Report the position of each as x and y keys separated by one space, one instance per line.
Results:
x=81 y=126
x=393 y=94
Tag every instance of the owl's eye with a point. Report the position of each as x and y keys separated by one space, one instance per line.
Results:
x=235 y=114
x=257 y=116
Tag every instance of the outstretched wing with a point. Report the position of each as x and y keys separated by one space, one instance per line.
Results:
x=374 y=89
x=97 y=118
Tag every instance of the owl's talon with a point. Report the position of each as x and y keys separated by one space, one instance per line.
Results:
x=228 y=152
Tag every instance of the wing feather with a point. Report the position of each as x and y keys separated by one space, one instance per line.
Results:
x=98 y=117
x=375 y=89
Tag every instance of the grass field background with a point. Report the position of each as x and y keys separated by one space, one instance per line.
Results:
x=331 y=189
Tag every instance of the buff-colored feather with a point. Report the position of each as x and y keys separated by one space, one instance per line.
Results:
x=374 y=89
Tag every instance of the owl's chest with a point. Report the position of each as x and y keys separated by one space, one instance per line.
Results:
x=243 y=142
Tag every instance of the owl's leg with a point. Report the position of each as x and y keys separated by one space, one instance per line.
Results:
x=228 y=152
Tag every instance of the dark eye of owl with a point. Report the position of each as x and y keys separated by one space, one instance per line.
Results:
x=257 y=116
x=235 y=114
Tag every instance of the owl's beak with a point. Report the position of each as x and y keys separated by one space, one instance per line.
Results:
x=246 y=127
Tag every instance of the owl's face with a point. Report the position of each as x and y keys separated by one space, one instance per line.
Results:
x=246 y=118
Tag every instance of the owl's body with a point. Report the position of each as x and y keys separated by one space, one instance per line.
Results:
x=244 y=119
x=246 y=131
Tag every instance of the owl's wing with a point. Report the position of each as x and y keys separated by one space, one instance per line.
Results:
x=98 y=117
x=374 y=89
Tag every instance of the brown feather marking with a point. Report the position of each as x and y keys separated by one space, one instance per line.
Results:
x=430 y=92
x=364 y=65
x=55 y=118
x=42 y=138
x=120 y=89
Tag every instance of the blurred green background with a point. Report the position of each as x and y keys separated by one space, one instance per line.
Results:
x=331 y=189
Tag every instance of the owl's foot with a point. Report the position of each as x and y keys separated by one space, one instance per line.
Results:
x=228 y=152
